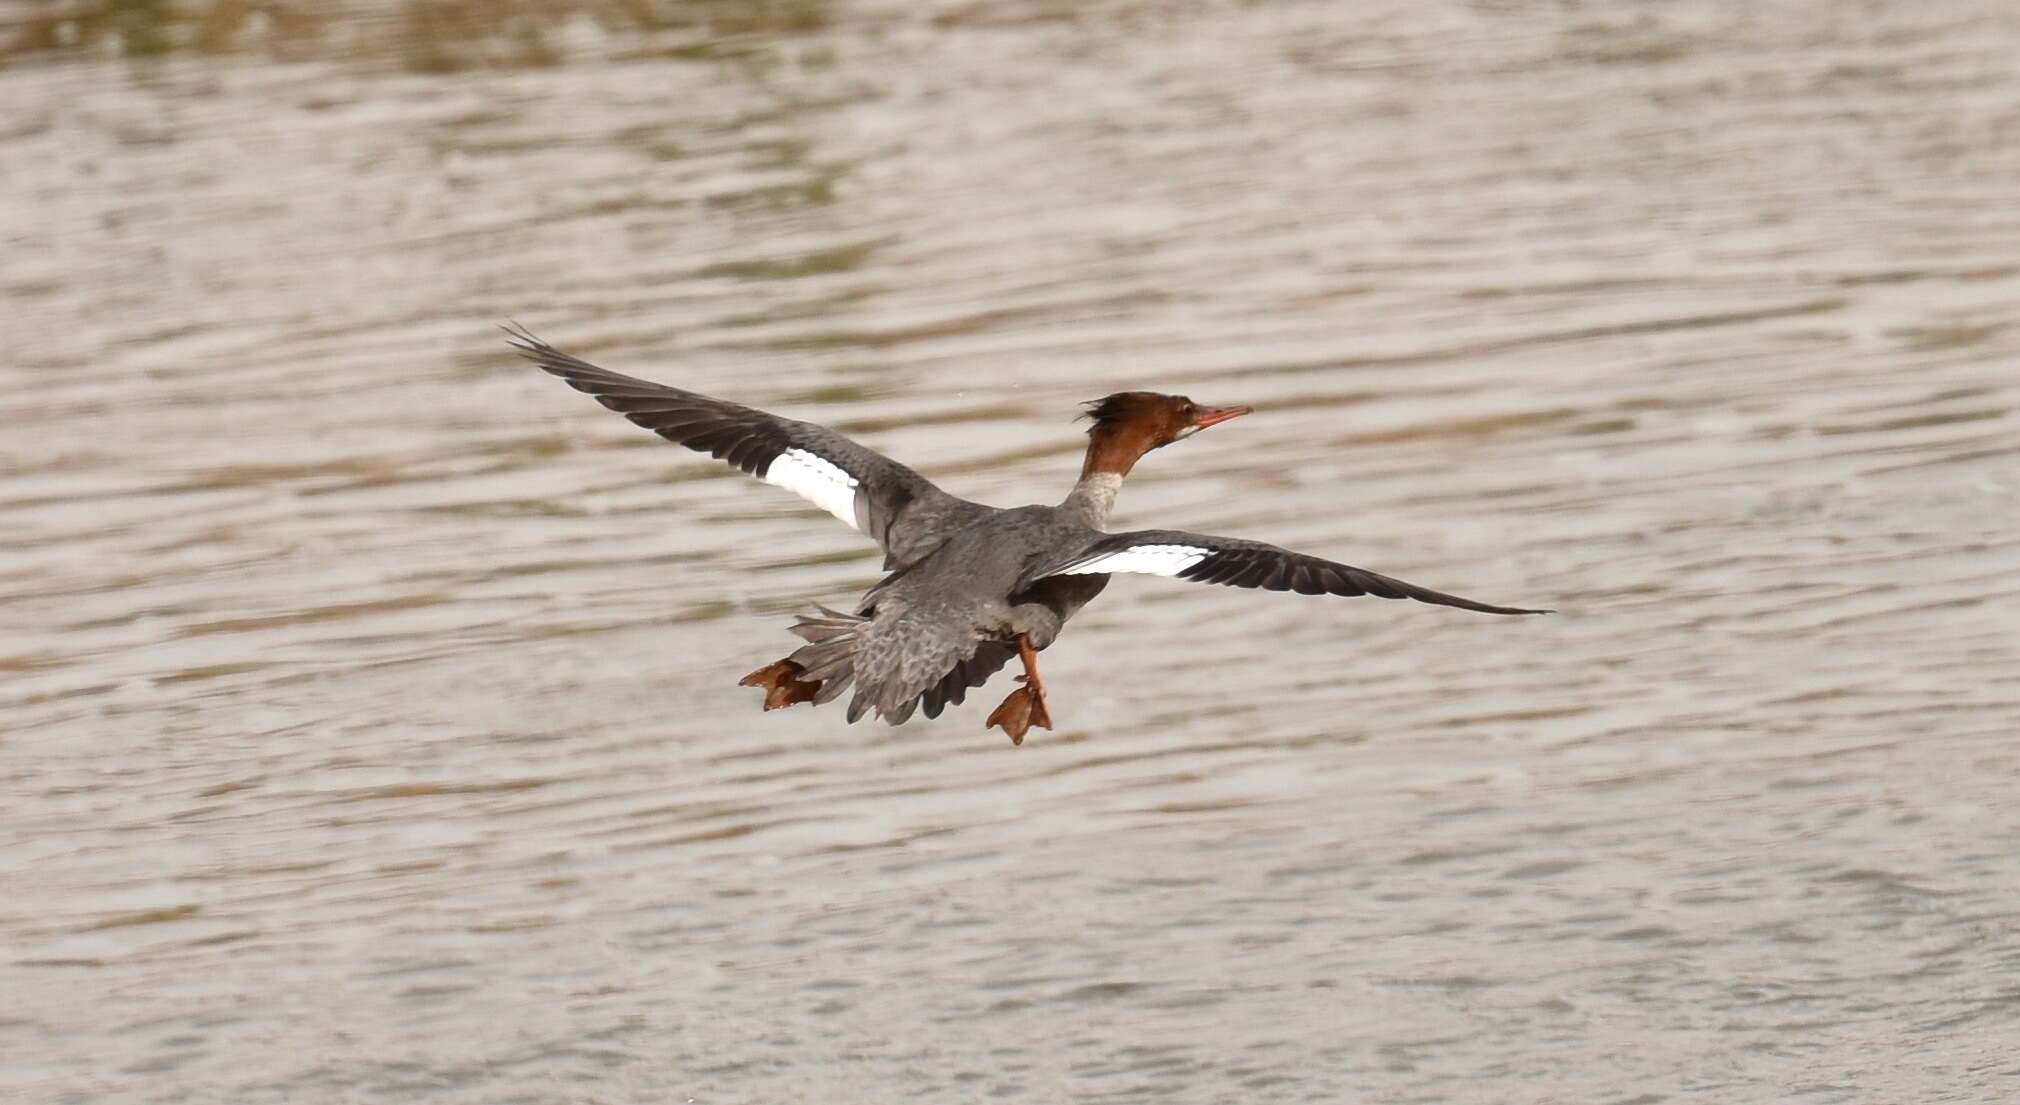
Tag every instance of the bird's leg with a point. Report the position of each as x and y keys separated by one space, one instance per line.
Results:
x=1026 y=705
x=1040 y=715
x=780 y=686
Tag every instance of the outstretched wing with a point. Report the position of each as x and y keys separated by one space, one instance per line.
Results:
x=902 y=511
x=1236 y=563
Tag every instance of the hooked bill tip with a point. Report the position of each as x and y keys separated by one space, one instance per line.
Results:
x=1214 y=416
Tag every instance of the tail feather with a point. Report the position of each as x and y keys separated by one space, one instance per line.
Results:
x=829 y=624
x=896 y=665
x=829 y=656
x=817 y=667
x=902 y=712
x=858 y=706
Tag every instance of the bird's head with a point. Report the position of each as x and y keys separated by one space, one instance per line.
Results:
x=1129 y=424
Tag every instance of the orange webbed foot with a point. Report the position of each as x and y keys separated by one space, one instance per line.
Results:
x=1023 y=709
x=780 y=687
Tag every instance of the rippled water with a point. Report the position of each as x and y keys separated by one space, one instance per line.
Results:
x=368 y=719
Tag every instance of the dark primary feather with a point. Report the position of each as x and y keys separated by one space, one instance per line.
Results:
x=898 y=508
x=747 y=438
x=1237 y=563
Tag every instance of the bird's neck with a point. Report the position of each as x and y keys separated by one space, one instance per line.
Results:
x=1111 y=452
x=1093 y=497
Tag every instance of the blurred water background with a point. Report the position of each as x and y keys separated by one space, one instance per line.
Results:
x=368 y=719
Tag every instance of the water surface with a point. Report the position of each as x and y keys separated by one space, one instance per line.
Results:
x=368 y=719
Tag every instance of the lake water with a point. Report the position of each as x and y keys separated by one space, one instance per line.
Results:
x=369 y=727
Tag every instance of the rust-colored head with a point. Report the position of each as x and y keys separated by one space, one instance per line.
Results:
x=1129 y=424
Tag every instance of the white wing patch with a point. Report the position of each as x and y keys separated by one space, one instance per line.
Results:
x=817 y=480
x=1150 y=560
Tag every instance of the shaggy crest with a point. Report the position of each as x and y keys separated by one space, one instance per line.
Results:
x=1127 y=406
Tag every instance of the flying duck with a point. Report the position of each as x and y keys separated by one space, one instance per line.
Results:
x=969 y=587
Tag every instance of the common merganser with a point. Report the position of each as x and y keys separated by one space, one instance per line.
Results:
x=970 y=586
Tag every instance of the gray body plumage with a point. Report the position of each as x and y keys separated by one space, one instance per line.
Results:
x=966 y=580
x=934 y=629
x=929 y=621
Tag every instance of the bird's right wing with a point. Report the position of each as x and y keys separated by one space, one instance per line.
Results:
x=1237 y=563
x=902 y=511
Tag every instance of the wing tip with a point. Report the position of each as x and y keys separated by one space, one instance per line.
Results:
x=520 y=338
x=1485 y=607
x=1511 y=611
x=573 y=371
x=543 y=356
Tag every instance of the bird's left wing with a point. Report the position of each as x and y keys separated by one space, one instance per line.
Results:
x=1236 y=563
x=905 y=513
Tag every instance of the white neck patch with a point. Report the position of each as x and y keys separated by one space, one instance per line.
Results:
x=1094 y=497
